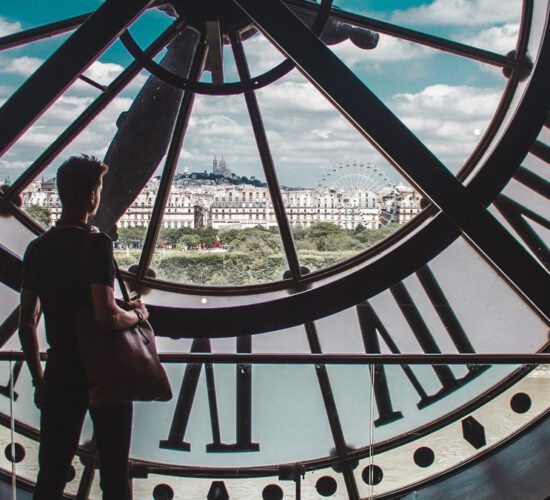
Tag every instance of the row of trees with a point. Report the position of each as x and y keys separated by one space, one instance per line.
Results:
x=181 y=238
x=321 y=237
x=252 y=255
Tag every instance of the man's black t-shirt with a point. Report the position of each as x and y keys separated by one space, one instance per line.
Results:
x=54 y=268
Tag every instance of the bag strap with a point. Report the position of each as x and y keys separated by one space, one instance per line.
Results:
x=86 y=263
x=123 y=288
x=121 y=284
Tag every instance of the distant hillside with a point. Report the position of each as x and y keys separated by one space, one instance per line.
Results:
x=219 y=179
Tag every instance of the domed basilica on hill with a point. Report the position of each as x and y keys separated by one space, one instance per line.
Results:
x=220 y=167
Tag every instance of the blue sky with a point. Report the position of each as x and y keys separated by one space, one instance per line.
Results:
x=446 y=100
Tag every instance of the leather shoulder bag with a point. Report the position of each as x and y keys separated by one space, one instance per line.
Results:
x=120 y=365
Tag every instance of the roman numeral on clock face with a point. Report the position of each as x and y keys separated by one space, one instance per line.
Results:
x=14 y=376
x=9 y=326
x=517 y=215
x=372 y=329
x=7 y=329
x=176 y=435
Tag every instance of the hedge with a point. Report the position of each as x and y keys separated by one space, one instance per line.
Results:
x=228 y=268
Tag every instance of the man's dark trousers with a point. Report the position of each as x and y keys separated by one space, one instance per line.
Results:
x=60 y=426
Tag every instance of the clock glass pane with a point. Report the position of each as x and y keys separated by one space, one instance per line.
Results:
x=335 y=195
x=232 y=179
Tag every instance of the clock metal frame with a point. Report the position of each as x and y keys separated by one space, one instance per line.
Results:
x=260 y=307
x=459 y=204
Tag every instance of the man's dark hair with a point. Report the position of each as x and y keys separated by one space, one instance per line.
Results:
x=78 y=177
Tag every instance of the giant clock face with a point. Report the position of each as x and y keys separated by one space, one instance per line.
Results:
x=450 y=109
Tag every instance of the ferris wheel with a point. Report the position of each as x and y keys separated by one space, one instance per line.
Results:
x=365 y=192
x=356 y=176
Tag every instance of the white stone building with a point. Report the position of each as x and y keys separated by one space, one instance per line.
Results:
x=242 y=206
x=43 y=194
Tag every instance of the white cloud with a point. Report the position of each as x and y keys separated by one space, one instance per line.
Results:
x=460 y=12
x=23 y=66
x=55 y=120
x=322 y=133
x=500 y=39
x=13 y=165
x=461 y=101
x=219 y=126
x=93 y=140
x=103 y=73
x=96 y=138
x=293 y=95
x=447 y=118
x=8 y=27
x=388 y=50
x=261 y=54
x=230 y=105
x=306 y=134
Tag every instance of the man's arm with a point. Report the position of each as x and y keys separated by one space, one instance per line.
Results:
x=109 y=315
x=28 y=321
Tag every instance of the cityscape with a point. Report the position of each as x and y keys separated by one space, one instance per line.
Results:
x=222 y=200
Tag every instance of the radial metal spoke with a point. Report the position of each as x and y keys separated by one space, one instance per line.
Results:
x=41 y=32
x=174 y=150
x=533 y=181
x=332 y=411
x=89 y=114
x=541 y=151
x=402 y=148
x=68 y=62
x=9 y=326
x=11 y=269
x=433 y=41
x=267 y=161
x=93 y=83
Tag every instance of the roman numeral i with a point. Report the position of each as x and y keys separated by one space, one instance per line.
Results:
x=176 y=435
x=372 y=329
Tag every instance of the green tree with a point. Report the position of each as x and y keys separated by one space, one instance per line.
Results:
x=207 y=236
x=187 y=241
x=170 y=236
x=226 y=237
x=322 y=229
x=42 y=215
x=369 y=237
x=328 y=237
x=255 y=241
x=304 y=244
x=132 y=237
